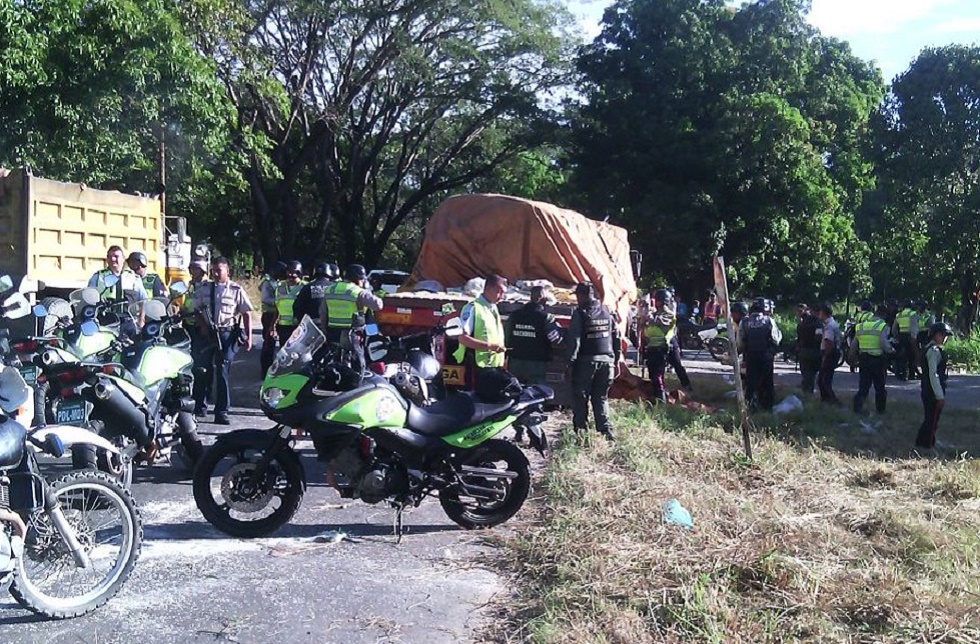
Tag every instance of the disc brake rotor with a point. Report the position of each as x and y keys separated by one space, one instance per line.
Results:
x=239 y=494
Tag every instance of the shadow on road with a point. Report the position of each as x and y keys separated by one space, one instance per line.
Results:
x=191 y=530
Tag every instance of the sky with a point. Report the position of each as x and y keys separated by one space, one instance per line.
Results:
x=890 y=32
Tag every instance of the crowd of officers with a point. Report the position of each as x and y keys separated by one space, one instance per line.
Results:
x=216 y=312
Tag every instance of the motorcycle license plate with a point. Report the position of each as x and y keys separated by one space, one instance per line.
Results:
x=29 y=374
x=71 y=412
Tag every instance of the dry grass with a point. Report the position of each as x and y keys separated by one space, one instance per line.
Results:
x=812 y=542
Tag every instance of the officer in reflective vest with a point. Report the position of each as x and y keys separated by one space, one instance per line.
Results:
x=659 y=330
x=873 y=346
x=593 y=356
x=482 y=344
x=902 y=329
x=267 y=292
x=343 y=299
x=128 y=287
x=933 y=384
x=286 y=292
x=152 y=283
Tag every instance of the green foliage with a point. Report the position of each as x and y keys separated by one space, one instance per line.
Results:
x=708 y=129
x=964 y=352
x=87 y=90
x=362 y=114
x=924 y=227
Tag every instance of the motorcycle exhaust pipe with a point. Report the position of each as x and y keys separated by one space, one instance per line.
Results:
x=122 y=416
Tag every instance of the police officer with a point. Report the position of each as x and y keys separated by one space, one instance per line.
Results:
x=830 y=344
x=809 y=335
x=342 y=300
x=224 y=320
x=904 y=329
x=530 y=334
x=267 y=291
x=152 y=283
x=758 y=339
x=873 y=346
x=311 y=296
x=593 y=355
x=286 y=293
x=482 y=344
x=865 y=313
x=933 y=384
x=128 y=286
x=659 y=330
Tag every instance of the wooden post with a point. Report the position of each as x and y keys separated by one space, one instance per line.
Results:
x=721 y=290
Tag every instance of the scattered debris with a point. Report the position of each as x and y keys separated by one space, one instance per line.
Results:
x=789 y=405
x=676 y=514
x=331 y=536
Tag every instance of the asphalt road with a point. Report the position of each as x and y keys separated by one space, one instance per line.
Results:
x=195 y=584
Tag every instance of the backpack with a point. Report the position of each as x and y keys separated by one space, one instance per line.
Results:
x=496 y=385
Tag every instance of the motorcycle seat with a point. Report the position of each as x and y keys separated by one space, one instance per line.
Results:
x=455 y=413
x=12 y=436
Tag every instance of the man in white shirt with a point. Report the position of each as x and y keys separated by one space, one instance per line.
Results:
x=830 y=348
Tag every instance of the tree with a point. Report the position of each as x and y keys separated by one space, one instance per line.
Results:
x=358 y=112
x=927 y=237
x=707 y=129
x=87 y=90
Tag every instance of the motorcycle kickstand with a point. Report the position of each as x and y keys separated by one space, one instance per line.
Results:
x=399 y=523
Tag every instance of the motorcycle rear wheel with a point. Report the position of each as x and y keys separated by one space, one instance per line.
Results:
x=224 y=497
x=718 y=348
x=472 y=513
x=93 y=504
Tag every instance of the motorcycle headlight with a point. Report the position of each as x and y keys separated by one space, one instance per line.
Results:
x=273 y=396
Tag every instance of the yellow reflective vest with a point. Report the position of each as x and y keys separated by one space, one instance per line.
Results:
x=487 y=327
x=285 y=298
x=868 y=336
x=341 y=302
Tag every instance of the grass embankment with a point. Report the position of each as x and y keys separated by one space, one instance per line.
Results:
x=965 y=352
x=820 y=539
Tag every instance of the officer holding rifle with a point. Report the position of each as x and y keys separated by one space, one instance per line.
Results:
x=224 y=318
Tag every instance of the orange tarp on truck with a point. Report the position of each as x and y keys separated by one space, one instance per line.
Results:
x=474 y=235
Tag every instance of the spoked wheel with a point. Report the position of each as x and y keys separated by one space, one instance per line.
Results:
x=718 y=348
x=483 y=498
x=232 y=502
x=106 y=522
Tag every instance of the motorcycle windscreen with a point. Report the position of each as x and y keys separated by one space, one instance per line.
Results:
x=163 y=363
x=299 y=349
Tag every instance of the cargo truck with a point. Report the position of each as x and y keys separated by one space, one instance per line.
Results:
x=58 y=233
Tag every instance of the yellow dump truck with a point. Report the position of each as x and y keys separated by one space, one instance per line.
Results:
x=58 y=233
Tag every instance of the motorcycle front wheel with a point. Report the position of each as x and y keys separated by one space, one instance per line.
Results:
x=106 y=522
x=490 y=500
x=235 y=504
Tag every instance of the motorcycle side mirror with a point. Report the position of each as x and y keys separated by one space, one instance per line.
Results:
x=6 y=283
x=177 y=289
x=454 y=328
x=14 y=392
x=28 y=285
x=376 y=350
x=89 y=327
x=16 y=307
x=39 y=311
x=372 y=329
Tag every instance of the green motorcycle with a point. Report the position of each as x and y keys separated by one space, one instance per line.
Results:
x=378 y=445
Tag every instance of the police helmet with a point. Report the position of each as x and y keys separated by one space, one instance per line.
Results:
x=137 y=257
x=333 y=271
x=294 y=266
x=321 y=270
x=739 y=307
x=758 y=305
x=663 y=295
x=866 y=305
x=940 y=327
x=354 y=272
